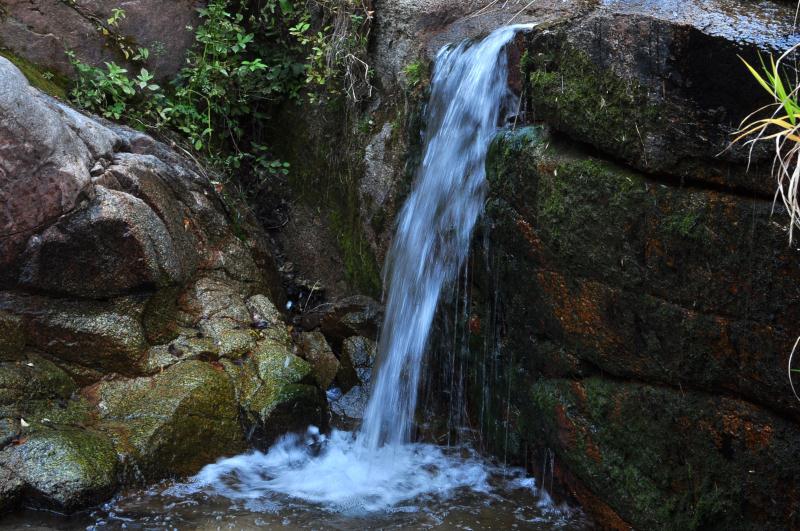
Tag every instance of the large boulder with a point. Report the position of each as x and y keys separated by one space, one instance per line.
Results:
x=136 y=341
x=620 y=304
x=60 y=468
x=41 y=31
x=172 y=423
x=661 y=87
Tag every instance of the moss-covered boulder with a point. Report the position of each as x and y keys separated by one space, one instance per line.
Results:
x=30 y=379
x=101 y=335
x=324 y=364
x=172 y=423
x=12 y=336
x=276 y=389
x=660 y=86
x=643 y=329
x=667 y=459
x=63 y=468
x=641 y=279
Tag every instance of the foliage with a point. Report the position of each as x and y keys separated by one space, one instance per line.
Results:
x=248 y=58
x=416 y=74
x=780 y=126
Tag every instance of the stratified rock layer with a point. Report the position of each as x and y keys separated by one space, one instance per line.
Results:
x=137 y=340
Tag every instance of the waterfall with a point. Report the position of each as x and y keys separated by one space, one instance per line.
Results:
x=469 y=96
x=379 y=467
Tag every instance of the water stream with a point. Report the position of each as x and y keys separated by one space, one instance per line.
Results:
x=378 y=476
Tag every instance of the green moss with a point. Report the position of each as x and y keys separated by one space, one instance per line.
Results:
x=359 y=262
x=569 y=90
x=48 y=82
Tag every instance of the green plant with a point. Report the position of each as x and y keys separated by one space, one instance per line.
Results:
x=781 y=126
x=416 y=74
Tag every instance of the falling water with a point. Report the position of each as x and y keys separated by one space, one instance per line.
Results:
x=378 y=467
x=469 y=97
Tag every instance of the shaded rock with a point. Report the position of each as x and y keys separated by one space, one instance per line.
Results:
x=114 y=246
x=357 y=358
x=63 y=469
x=360 y=351
x=353 y=316
x=662 y=86
x=351 y=405
x=11 y=486
x=635 y=443
x=619 y=303
x=98 y=335
x=315 y=349
x=160 y=316
x=619 y=273
x=32 y=378
x=12 y=336
x=172 y=423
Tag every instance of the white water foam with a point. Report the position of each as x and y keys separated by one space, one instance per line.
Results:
x=340 y=474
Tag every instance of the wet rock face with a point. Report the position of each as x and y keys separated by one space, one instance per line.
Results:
x=661 y=89
x=137 y=337
x=638 y=287
x=665 y=308
x=40 y=31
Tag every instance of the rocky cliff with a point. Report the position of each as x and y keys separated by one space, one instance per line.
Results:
x=634 y=293
x=137 y=336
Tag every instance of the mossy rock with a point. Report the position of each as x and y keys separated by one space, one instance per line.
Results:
x=666 y=459
x=31 y=379
x=65 y=469
x=48 y=82
x=173 y=423
x=315 y=350
x=12 y=337
x=275 y=390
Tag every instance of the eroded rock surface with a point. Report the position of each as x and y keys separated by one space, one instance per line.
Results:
x=137 y=336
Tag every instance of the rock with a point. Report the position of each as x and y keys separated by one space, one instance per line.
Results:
x=98 y=335
x=63 y=469
x=315 y=350
x=634 y=443
x=351 y=405
x=360 y=351
x=12 y=336
x=353 y=316
x=43 y=33
x=73 y=257
x=44 y=163
x=623 y=303
x=11 y=486
x=32 y=378
x=357 y=358
x=663 y=89
x=620 y=272
x=172 y=423
x=276 y=392
x=220 y=314
x=263 y=312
